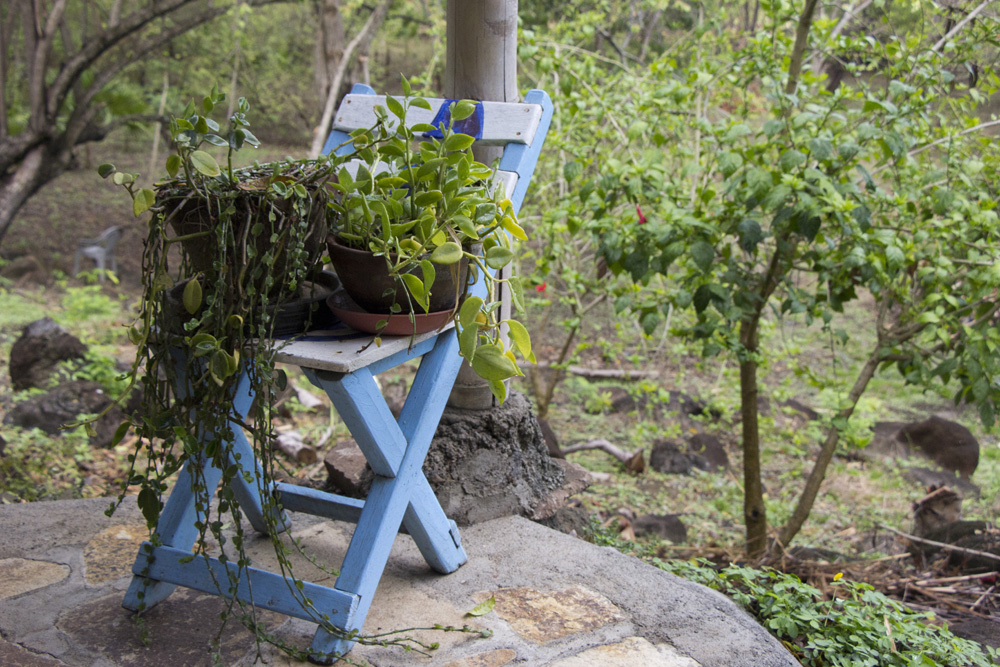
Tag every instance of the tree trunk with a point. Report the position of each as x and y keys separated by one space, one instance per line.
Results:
x=799 y=49
x=754 y=510
x=818 y=473
x=481 y=64
x=330 y=42
x=36 y=169
x=43 y=150
x=6 y=19
x=362 y=38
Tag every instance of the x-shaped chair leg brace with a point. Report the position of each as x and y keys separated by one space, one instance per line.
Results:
x=400 y=494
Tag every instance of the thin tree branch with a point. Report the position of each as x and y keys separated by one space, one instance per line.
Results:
x=942 y=545
x=961 y=24
x=372 y=24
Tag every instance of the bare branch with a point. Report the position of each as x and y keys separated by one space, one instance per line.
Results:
x=961 y=24
x=943 y=545
x=371 y=25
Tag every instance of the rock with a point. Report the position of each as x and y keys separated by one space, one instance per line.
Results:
x=622 y=402
x=577 y=478
x=940 y=507
x=665 y=526
x=36 y=354
x=710 y=447
x=691 y=407
x=395 y=396
x=674 y=459
x=63 y=405
x=485 y=464
x=703 y=452
x=570 y=519
x=26 y=269
x=926 y=477
x=347 y=470
x=948 y=444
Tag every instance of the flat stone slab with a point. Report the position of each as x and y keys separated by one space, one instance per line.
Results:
x=559 y=601
x=20 y=575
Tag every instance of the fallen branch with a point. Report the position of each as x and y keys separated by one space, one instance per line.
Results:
x=604 y=373
x=983 y=598
x=943 y=545
x=633 y=461
x=291 y=444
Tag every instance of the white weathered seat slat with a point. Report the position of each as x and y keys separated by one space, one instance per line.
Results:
x=503 y=123
x=340 y=351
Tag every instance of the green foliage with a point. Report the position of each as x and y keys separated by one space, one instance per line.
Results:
x=711 y=185
x=35 y=466
x=856 y=627
x=204 y=333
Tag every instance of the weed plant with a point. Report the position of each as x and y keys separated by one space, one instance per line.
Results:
x=857 y=627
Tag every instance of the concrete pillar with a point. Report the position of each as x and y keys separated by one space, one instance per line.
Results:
x=481 y=65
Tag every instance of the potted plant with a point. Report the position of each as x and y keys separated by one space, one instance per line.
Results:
x=419 y=222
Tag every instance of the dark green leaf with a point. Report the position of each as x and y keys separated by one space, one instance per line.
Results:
x=703 y=255
x=750 y=234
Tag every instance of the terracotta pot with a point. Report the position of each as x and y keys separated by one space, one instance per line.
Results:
x=365 y=277
x=195 y=217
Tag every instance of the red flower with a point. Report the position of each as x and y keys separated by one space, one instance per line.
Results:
x=642 y=218
x=540 y=288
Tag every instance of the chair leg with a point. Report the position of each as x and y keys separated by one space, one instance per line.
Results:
x=76 y=264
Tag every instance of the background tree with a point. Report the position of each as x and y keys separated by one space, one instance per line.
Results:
x=758 y=193
x=59 y=62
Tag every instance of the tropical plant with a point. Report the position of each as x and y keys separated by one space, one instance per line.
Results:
x=429 y=208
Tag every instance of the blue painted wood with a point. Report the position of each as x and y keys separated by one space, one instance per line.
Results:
x=176 y=525
x=265 y=589
x=522 y=159
x=361 y=405
x=415 y=352
x=319 y=503
x=338 y=138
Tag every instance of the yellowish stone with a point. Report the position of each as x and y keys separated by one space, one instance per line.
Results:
x=546 y=616
x=110 y=554
x=629 y=652
x=497 y=658
x=19 y=575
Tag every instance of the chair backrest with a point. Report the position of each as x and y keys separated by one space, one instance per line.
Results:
x=110 y=237
x=520 y=127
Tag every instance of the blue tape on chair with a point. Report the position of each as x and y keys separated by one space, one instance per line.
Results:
x=472 y=126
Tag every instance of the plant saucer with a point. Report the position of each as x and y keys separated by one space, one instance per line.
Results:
x=351 y=314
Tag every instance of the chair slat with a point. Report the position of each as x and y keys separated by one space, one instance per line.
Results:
x=503 y=122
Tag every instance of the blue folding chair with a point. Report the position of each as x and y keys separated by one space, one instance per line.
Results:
x=345 y=368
